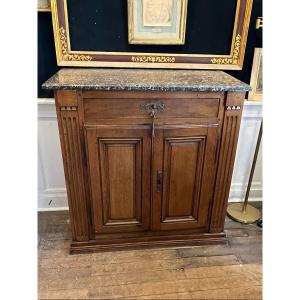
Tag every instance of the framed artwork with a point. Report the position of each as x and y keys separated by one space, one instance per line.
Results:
x=157 y=22
x=193 y=34
x=256 y=81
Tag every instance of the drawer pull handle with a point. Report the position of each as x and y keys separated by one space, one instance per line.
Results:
x=152 y=116
x=153 y=106
x=153 y=127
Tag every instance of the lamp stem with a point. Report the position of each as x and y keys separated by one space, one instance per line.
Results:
x=253 y=168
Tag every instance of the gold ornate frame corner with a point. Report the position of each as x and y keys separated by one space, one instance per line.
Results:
x=254 y=95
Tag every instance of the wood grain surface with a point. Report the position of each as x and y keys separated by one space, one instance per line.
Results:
x=232 y=271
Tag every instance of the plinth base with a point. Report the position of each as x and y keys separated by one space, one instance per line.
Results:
x=148 y=242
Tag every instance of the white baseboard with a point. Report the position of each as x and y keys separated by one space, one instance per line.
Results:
x=63 y=208
x=251 y=199
x=238 y=192
x=60 y=202
x=53 y=199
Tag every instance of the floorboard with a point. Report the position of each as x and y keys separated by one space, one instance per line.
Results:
x=232 y=271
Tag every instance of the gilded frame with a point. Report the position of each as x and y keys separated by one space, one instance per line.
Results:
x=67 y=57
x=256 y=75
x=131 y=28
x=44 y=7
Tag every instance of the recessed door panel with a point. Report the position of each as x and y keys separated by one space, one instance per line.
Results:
x=184 y=158
x=120 y=179
x=120 y=163
x=182 y=177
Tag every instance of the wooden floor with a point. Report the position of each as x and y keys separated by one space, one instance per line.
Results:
x=232 y=271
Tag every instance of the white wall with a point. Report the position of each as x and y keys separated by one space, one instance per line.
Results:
x=51 y=182
x=51 y=186
x=252 y=116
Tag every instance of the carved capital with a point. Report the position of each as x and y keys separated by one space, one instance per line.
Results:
x=68 y=108
x=232 y=107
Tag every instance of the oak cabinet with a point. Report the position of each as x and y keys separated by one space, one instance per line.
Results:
x=146 y=165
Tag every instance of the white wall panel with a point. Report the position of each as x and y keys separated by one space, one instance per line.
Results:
x=251 y=120
x=51 y=184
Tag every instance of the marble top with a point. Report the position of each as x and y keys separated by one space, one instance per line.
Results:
x=144 y=80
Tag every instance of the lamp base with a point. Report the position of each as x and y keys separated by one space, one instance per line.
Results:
x=235 y=212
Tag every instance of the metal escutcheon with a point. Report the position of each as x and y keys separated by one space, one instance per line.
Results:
x=153 y=106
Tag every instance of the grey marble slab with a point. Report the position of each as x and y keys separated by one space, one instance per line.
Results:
x=144 y=80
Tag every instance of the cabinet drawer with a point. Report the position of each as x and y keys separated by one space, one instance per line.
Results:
x=174 y=106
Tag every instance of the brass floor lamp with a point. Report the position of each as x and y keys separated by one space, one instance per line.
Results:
x=244 y=212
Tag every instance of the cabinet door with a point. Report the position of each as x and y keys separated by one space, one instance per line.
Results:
x=183 y=172
x=119 y=168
